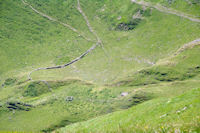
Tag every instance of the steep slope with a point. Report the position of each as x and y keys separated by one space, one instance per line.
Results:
x=166 y=112
x=178 y=114
x=190 y=7
x=136 y=56
x=25 y=36
x=167 y=10
x=134 y=49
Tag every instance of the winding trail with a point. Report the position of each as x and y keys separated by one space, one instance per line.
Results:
x=88 y=23
x=90 y=27
x=188 y=45
x=184 y=47
x=65 y=65
x=55 y=20
x=99 y=42
x=167 y=10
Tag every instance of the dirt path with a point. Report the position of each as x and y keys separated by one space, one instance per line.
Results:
x=88 y=23
x=65 y=65
x=90 y=27
x=99 y=42
x=55 y=20
x=188 y=45
x=167 y=10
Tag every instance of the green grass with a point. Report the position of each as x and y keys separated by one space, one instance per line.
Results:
x=180 y=113
x=86 y=104
x=29 y=41
x=182 y=67
x=90 y=100
x=190 y=7
x=25 y=36
x=133 y=50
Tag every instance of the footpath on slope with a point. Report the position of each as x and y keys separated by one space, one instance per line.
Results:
x=167 y=10
x=179 y=51
x=90 y=27
x=55 y=20
x=99 y=42
x=88 y=23
x=188 y=45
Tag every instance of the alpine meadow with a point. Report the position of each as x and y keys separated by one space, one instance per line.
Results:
x=100 y=66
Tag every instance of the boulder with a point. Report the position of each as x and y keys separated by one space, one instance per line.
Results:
x=124 y=94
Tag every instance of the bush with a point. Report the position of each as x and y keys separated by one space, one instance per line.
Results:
x=36 y=89
x=195 y=1
x=9 y=81
x=136 y=99
x=125 y=26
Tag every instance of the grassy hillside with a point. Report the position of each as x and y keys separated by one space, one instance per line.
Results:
x=144 y=54
x=178 y=114
x=25 y=36
x=190 y=7
x=91 y=100
x=167 y=111
x=135 y=49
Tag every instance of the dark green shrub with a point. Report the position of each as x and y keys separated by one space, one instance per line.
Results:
x=36 y=89
x=195 y=1
x=137 y=98
x=9 y=81
x=126 y=26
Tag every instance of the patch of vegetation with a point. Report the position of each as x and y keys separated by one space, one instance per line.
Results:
x=10 y=81
x=88 y=103
x=136 y=99
x=169 y=74
x=36 y=89
x=129 y=25
x=160 y=115
x=57 y=84
x=130 y=22
x=195 y=2
x=182 y=67
x=61 y=124
x=160 y=74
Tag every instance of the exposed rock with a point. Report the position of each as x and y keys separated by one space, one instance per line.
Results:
x=119 y=18
x=69 y=98
x=124 y=94
x=2 y=85
x=180 y=111
x=162 y=116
